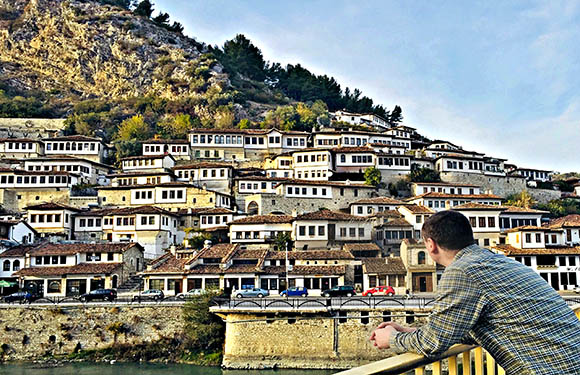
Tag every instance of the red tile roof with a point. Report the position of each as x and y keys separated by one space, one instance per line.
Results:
x=311 y=255
x=478 y=206
x=434 y=194
x=384 y=266
x=325 y=183
x=51 y=206
x=569 y=221
x=264 y=219
x=167 y=141
x=74 y=248
x=205 y=164
x=330 y=215
x=528 y=228
x=399 y=222
x=73 y=138
x=510 y=250
x=380 y=200
x=361 y=247
x=416 y=209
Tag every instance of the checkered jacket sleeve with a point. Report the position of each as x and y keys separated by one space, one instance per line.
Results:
x=459 y=305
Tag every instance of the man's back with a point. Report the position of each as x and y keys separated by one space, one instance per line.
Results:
x=520 y=308
x=506 y=308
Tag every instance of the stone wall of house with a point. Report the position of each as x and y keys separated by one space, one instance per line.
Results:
x=498 y=185
x=17 y=200
x=83 y=202
x=310 y=342
x=27 y=333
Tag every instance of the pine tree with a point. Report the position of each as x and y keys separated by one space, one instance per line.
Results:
x=144 y=9
x=396 y=116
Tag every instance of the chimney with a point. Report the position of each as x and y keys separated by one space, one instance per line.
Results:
x=294 y=213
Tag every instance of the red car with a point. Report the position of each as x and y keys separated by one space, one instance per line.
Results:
x=379 y=291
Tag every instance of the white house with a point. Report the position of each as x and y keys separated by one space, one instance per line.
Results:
x=416 y=216
x=76 y=145
x=484 y=220
x=17 y=231
x=570 y=224
x=178 y=148
x=259 y=229
x=88 y=171
x=370 y=206
x=51 y=219
x=20 y=148
x=148 y=163
x=211 y=175
x=442 y=201
x=418 y=188
x=312 y=164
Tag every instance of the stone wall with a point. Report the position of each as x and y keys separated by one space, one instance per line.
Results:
x=544 y=195
x=17 y=200
x=309 y=342
x=28 y=333
x=498 y=185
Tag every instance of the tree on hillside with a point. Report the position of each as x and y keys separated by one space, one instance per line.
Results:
x=560 y=207
x=239 y=55
x=175 y=126
x=282 y=240
x=523 y=199
x=161 y=19
x=133 y=129
x=372 y=176
x=144 y=9
x=396 y=116
x=424 y=175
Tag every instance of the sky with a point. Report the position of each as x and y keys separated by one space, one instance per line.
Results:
x=496 y=77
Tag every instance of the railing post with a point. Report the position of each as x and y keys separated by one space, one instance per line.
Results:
x=420 y=370
x=478 y=361
x=490 y=364
x=500 y=371
x=453 y=365
x=466 y=362
x=437 y=368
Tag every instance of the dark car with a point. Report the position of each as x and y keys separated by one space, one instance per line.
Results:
x=99 y=294
x=340 y=291
x=21 y=297
x=295 y=291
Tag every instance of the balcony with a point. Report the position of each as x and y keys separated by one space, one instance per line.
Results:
x=480 y=362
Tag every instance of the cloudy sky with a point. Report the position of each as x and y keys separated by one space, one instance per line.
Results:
x=500 y=78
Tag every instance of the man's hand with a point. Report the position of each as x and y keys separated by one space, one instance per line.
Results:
x=397 y=326
x=381 y=336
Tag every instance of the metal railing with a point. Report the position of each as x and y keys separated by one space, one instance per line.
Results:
x=323 y=303
x=472 y=359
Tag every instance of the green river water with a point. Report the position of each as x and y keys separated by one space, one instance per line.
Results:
x=141 y=369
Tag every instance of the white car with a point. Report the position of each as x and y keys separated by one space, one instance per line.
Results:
x=192 y=293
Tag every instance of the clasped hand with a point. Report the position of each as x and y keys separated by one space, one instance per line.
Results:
x=382 y=335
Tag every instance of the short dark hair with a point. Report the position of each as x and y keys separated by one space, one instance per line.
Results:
x=449 y=229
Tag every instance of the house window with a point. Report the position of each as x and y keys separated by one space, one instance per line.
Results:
x=361 y=232
x=482 y=222
x=311 y=230
x=321 y=230
x=302 y=230
x=528 y=237
x=538 y=237
x=421 y=257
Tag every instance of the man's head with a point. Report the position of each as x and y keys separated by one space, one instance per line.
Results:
x=445 y=233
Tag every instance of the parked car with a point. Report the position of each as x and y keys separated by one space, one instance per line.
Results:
x=379 y=291
x=150 y=294
x=99 y=294
x=21 y=297
x=295 y=291
x=254 y=292
x=191 y=293
x=340 y=291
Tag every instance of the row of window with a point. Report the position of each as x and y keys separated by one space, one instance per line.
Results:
x=174 y=149
x=209 y=220
x=15 y=265
x=219 y=139
x=482 y=222
x=72 y=146
x=256 y=186
x=140 y=163
x=9 y=179
x=473 y=165
x=89 y=223
x=172 y=194
x=47 y=218
x=351 y=232
x=390 y=161
x=311 y=230
x=317 y=192
x=317 y=173
x=20 y=146
x=357 y=159
x=470 y=191
x=320 y=157
x=144 y=194
x=50 y=260
x=62 y=168
x=394 y=234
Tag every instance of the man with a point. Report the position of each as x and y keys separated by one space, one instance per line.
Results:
x=490 y=300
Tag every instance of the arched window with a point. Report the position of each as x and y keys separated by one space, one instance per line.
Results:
x=421 y=257
x=6 y=265
x=252 y=208
x=16 y=265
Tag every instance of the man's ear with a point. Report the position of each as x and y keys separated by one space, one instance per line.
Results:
x=431 y=246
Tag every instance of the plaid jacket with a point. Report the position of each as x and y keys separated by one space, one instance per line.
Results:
x=493 y=301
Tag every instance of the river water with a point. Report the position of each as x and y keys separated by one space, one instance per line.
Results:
x=142 y=369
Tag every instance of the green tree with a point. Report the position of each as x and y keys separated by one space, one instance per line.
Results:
x=239 y=55
x=372 y=176
x=133 y=129
x=523 y=199
x=424 y=175
x=282 y=240
x=175 y=126
x=244 y=124
x=144 y=9
x=396 y=116
x=204 y=331
x=161 y=19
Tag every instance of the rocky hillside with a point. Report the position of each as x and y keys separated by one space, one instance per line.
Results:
x=82 y=49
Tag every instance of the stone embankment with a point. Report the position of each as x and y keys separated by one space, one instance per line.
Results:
x=30 y=333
